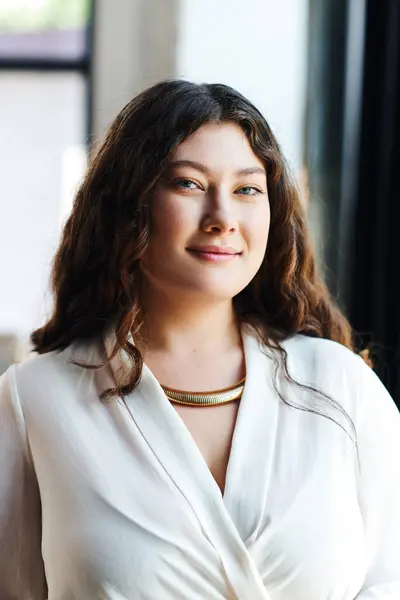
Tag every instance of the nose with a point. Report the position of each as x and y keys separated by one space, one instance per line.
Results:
x=219 y=217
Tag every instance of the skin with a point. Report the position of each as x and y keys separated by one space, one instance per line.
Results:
x=219 y=206
x=191 y=336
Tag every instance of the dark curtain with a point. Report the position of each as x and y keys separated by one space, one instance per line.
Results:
x=324 y=127
x=353 y=159
x=374 y=301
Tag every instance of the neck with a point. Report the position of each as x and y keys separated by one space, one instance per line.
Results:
x=182 y=325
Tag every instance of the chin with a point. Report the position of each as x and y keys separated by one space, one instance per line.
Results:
x=219 y=291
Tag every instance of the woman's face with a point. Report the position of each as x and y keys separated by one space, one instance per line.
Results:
x=210 y=216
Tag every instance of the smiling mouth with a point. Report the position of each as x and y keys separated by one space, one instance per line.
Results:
x=214 y=254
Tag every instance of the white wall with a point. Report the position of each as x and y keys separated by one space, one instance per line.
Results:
x=135 y=47
x=256 y=46
x=42 y=129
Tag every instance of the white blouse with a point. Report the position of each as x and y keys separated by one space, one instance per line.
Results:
x=114 y=501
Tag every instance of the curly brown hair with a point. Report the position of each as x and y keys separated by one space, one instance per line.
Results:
x=96 y=268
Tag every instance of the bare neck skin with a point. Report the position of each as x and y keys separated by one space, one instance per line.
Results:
x=191 y=345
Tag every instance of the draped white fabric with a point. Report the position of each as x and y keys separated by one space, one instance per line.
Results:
x=113 y=500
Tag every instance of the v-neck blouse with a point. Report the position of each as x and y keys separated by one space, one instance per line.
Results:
x=114 y=501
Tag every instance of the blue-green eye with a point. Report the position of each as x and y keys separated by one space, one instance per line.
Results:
x=249 y=190
x=186 y=184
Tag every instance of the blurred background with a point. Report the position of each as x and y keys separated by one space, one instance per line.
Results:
x=325 y=73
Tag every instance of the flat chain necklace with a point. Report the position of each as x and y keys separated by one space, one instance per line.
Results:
x=205 y=398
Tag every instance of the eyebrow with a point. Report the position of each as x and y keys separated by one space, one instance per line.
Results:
x=200 y=167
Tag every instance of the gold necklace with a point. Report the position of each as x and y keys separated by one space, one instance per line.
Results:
x=205 y=398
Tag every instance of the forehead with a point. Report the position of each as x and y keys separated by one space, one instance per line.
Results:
x=219 y=146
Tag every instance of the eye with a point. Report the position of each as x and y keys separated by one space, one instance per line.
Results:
x=248 y=190
x=186 y=184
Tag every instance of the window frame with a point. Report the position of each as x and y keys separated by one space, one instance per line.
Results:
x=82 y=65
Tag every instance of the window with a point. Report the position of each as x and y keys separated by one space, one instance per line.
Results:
x=40 y=30
x=45 y=91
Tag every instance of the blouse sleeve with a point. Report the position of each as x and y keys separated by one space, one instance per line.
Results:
x=21 y=566
x=379 y=488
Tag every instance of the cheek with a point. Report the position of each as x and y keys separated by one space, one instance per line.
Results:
x=168 y=221
x=257 y=229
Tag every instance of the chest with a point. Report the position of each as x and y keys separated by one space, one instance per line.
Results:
x=212 y=430
x=122 y=506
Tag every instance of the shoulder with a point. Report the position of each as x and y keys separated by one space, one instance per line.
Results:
x=53 y=375
x=328 y=367
x=36 y=368
x=311 y=356
x=321 y=353
x=46 y=367
x=340 y=373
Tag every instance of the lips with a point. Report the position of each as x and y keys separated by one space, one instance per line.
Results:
x=214 y=254
x=214 y=250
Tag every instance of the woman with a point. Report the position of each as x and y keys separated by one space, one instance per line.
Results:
x=196 y=424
